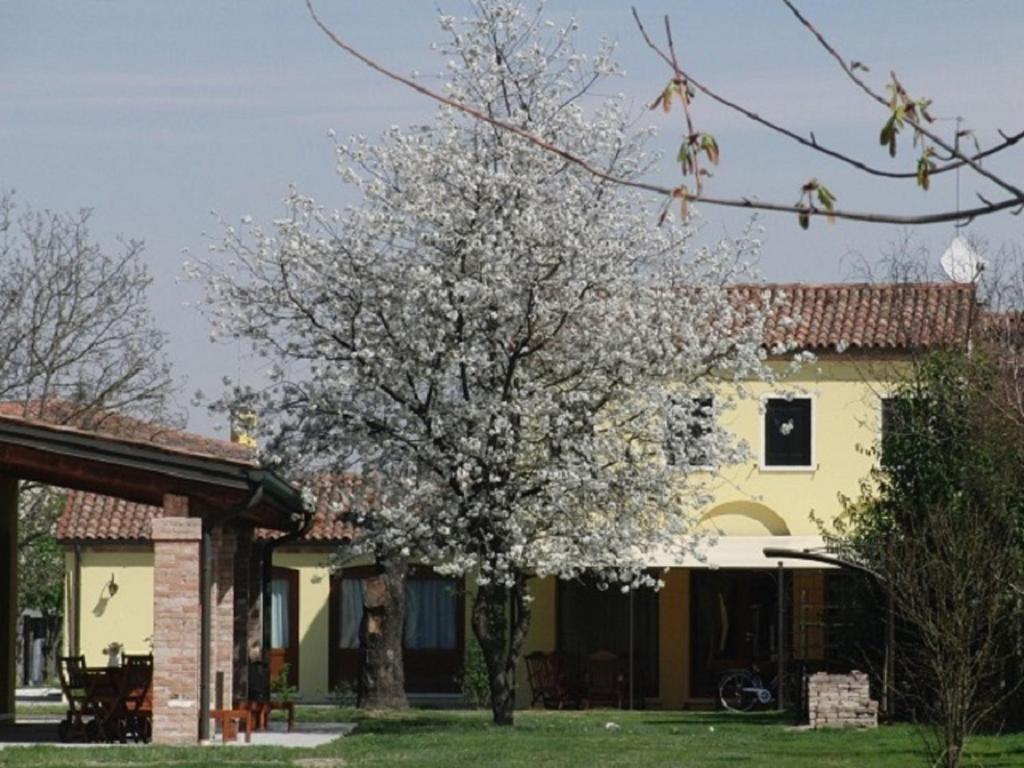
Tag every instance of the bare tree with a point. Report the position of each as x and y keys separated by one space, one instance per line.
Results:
x=699 y=149
x=77 y=344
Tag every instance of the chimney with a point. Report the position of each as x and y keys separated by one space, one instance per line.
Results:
x=243 y=428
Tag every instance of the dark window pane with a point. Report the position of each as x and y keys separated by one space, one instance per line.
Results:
x=591 y=619
x=787 y=432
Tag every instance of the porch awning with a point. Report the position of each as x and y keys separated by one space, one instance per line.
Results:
x=746 y=552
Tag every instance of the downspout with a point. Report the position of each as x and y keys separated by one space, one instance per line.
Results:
x=205 y=583
x=206 y=604
x=75 y=625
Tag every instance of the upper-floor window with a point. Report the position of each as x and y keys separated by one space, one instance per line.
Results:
x=787 y=432
x=688 y=432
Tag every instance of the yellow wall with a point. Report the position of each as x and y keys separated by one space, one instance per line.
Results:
x=542 y=635
x=125 y=617
x=750 y=500
x=314 y=627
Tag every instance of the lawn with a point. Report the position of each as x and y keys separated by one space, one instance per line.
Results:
x=456 y=739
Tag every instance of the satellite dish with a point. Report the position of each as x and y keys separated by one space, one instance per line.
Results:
x=960 y=262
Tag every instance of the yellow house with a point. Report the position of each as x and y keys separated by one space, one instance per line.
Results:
x=810 y=435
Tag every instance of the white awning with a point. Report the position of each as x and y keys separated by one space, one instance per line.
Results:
x=746 y=552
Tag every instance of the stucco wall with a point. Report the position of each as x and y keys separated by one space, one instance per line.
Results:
x=126 y=617
x=314 y=602
x=750 y=500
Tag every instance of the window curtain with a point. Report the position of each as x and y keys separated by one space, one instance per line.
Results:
x=353 y=592
x=430 y=614
x=280 y=613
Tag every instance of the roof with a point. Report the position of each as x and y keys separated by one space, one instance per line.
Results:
x=70 y=418
x=863 y=316
x=102 y=456
x=97 y=518
x=883 y=317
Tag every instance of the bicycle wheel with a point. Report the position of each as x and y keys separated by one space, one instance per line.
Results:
x=735 y=692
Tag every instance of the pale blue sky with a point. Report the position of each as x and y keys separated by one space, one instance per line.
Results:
x=156 y=113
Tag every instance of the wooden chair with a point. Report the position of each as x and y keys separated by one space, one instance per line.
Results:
x=604 y=679
x=259 y=702
x=138 y=700
x=71 y=671
x=537 y=676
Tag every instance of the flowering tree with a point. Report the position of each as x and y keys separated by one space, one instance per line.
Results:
x=496 y=335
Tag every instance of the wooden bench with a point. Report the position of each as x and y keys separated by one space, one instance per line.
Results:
x=230 y=720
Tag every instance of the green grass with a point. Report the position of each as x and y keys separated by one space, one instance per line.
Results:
x=445 y=739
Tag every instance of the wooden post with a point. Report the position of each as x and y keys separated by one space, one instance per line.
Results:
x=8 y=595
x=780 y=695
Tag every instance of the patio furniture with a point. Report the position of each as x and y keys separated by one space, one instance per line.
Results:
x=138 y=697
x=230 y=721
x=604 y=680
x=549 y=683
x=536 y=675
x=259 y=701
x=70 y=671
x=105 y=695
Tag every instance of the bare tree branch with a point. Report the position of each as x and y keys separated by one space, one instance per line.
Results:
x=679 y=192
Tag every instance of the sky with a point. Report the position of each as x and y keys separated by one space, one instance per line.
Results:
x=156 y=114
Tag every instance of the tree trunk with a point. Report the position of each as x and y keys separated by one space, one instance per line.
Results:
x=501 y=617
x=382 y=671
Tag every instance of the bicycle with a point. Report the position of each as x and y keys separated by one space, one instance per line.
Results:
x=740 y=690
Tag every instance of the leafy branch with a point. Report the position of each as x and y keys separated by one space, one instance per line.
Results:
x=818 y=201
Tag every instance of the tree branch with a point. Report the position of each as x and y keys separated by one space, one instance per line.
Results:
x=658 y=189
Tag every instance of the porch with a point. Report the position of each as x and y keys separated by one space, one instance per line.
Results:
x=206 y=578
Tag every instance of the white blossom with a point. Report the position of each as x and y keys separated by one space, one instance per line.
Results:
x=493 y=336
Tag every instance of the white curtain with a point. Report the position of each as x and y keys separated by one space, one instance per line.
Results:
x=280 y=613
x=353 y=592
x=429 y=614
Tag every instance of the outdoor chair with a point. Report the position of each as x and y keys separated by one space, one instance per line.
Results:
x=549 y=684
x=138 y=697
x=537 y=676
x=71 y=671
x=259 y=701
x=604 y=680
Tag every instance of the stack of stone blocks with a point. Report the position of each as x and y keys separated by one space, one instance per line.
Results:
x=840 y=701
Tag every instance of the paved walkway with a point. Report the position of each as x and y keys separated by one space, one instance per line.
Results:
x=36 y=731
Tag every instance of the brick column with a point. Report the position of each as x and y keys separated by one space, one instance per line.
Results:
x=176 y=623
x=222 y=618
x=8 y=595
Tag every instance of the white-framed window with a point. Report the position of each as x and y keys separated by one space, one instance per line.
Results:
x=788 y=433
x=688 y=432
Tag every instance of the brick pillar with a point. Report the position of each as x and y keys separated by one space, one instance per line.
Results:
x=222 y=618
x=176 y=623
x=8 y=595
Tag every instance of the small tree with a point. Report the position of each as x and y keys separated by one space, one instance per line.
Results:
x=941 y=520
x=498 y=335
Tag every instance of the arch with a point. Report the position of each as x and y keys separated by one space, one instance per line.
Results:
x=745 y=518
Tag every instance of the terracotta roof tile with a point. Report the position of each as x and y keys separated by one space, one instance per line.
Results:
x=94 y=517
x=815 y=317
x=864 y=316
x=68 y=416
